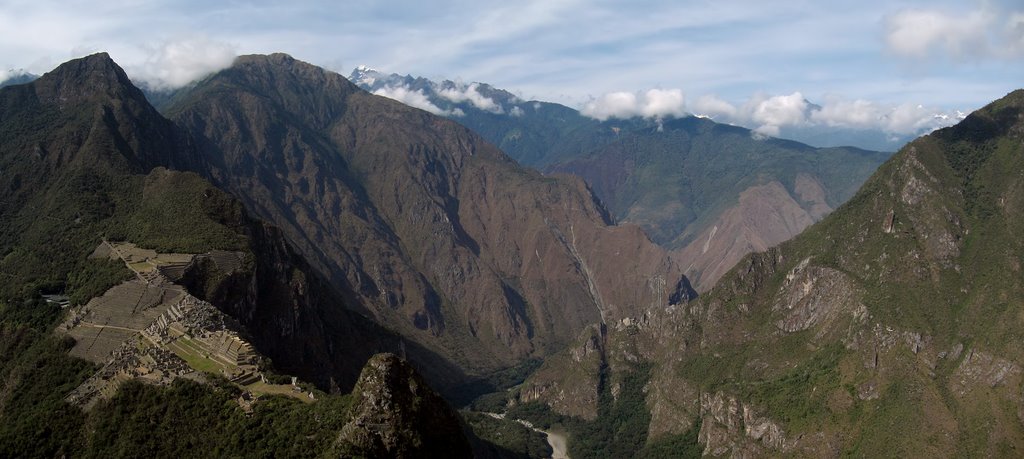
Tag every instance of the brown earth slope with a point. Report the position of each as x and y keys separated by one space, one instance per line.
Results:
x=686 y=177
x=420 y=222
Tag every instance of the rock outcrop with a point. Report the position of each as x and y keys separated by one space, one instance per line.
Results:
x=396 y=415
x=888 y=328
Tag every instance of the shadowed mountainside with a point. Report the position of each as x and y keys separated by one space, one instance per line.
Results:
x=422 y=223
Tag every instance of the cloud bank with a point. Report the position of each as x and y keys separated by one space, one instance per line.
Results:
x=11 y=74
x=654 y=103
x=986 y=32
x=471 y=93
x=174 y=64
x=769 y=114
x=415 y=98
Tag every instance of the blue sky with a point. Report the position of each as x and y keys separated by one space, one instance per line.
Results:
x=940 y=54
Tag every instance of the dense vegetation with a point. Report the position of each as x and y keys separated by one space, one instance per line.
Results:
x=189 y=420
x=620 y=429
x=507 y=438
x=66 y=187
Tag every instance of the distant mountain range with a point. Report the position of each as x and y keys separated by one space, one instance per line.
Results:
x=709 y=192
x=890 y=328
x=451 y=99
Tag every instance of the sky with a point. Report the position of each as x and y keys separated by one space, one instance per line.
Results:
x=882 y=63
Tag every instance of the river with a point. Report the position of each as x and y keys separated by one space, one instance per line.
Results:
x=556 y=438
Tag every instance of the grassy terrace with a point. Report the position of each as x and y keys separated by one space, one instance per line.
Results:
x=193 y=354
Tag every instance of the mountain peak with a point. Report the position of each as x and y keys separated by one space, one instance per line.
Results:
x=87 y=78
x=396 y=414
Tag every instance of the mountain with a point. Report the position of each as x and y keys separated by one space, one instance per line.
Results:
x=13 y=77
x=709 y=192
x=85 y=171
x=887 y=329
x=421 y=223
x=829 y=136
x=534 y=133
x=716 y=192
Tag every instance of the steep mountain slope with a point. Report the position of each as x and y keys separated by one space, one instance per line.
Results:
x=534 y=133
x=718 y=192
x=710 y=192
x=420 y=222
x=82 y=155
x=890 y=328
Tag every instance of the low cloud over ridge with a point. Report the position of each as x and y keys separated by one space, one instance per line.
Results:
x=769 y=114
x=471 y=93
x=174 y=64
x=415 y=98
x=654 y=103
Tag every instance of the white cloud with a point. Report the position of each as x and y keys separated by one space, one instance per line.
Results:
x=1014 y=32
x=711 y=106
x=472 y=94
x=910 y=118
x=612 y=105
x=906 y=118
x=655 y=103
x=174 y=64
x=414 y=99
x=858 y=113
x=771 y=113
x=516 y=111
x=982 y=33
x=11 y=73
x=767 y=115
x=659 y=103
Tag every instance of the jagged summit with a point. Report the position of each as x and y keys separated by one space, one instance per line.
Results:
x=86 y=78
x=395 y=414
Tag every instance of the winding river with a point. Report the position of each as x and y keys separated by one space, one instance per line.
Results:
x=556 y=439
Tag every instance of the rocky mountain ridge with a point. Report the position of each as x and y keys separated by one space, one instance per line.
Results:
x=83 y=156
x=709 y=192
x=886 y=328
x=423 y=224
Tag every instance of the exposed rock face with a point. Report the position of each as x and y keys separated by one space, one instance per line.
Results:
x=729 y=426
x=888 y=328
x=422 y=224
x=765 y=216
x=980 y=369
x=570 y=381
x=813 y=296
x=396 y=415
